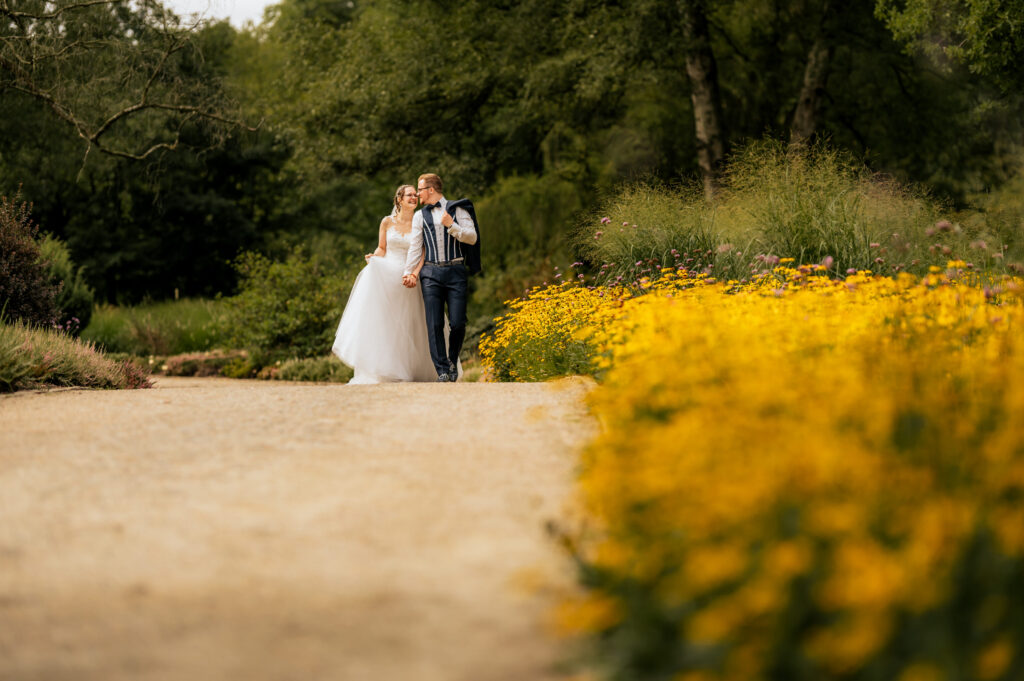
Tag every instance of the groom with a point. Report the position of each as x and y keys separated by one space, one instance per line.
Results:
x=445 y=233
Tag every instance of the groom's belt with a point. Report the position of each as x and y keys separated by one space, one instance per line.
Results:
x=449 y=263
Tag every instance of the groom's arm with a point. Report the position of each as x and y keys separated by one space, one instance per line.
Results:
x=412 y=259
x=462 y=228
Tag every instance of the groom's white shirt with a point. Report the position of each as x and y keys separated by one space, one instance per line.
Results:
x=462 y=229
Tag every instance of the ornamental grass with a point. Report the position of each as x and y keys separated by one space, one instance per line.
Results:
x=800 y=478
x=39 y=357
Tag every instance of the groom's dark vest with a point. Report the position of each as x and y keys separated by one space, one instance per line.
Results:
x=453 y=248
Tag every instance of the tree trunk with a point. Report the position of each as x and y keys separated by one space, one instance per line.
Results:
x=704 y=92
x=808 y=105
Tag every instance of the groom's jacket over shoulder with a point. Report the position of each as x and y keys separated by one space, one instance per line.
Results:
x=471 y=251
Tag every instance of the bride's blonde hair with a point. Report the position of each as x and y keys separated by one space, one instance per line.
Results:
x=399 y=193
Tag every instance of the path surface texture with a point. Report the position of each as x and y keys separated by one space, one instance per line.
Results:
x=220 y=529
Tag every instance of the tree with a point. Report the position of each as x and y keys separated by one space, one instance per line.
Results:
x=115 y=71
x=812 y=89
x=702 y=71
x=988 y=37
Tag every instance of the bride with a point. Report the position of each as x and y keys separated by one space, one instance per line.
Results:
x=383 y=331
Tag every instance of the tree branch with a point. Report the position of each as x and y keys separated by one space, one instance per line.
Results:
x=5 y=9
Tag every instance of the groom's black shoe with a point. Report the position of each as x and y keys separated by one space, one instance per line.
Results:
x=443 y=378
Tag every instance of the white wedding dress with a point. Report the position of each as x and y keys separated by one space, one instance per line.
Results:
x=383 y=331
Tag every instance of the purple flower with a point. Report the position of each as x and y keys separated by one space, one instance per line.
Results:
x=851 y=271
x=605 y=221
x=874 y=244
x=828 y=262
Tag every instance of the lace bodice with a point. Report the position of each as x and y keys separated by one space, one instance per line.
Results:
x=398 y=243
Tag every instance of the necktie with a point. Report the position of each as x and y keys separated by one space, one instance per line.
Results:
x=432 y=206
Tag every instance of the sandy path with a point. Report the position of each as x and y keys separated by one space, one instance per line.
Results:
x=219 y=529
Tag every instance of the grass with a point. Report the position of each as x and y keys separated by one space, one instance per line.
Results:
x=165 y=328
x=35 y=358
x=815 y=206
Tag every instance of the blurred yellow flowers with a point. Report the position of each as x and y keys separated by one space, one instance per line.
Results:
x=798 y=477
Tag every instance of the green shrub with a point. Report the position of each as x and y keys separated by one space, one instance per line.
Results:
x=168 y=328
x=75 y=299
x=527 y=217
x=645 y=227
x=319 y=369
x=26 y=292
x=36 y=357
x=285 y=309
x=243 y=366
x=813 y=205
x=526 y=223
x=197 y=363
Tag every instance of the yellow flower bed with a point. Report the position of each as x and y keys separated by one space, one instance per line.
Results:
x=805 y=479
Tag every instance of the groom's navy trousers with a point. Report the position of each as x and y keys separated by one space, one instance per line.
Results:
x=445 y=285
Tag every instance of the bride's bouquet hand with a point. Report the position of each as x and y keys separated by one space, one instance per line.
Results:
x=368 y=256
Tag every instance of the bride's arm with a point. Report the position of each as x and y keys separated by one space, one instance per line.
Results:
x=382 y=240
x=413 y=259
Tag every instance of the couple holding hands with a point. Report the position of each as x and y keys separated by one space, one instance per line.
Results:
x=394 y=327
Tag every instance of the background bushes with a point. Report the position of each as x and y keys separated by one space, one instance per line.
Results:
x=32 y=357
x=166 y=328
x=26 y=290
x=805 y=204
x=286 y=309
x=75 y=298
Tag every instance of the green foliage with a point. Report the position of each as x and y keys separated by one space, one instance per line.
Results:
x=287 y=309
x=26 y=291
x=75 y=298
x=987 y=36
x=809 y=205
x=318 y=369
x=34 y=358
x=527 y=216
x=639 y=228
x=167 y=328
x=197 y=363
x=536 y=106
x=812 y=204
x=526 y=223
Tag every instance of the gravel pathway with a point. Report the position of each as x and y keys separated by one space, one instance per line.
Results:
x=221 y=529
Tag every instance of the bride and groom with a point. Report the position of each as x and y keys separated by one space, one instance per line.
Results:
x=394 y=326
